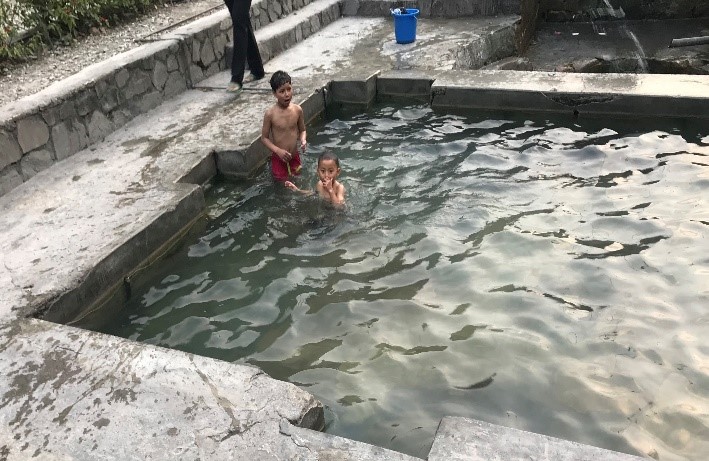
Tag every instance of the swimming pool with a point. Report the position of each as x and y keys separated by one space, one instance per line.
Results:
x=540 y=273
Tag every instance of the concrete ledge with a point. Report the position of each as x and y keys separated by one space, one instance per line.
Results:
x=330 y=447
x=598 y=94
x=404 y=84
x=180 y=210
x=463 y=439
x=80 y=395
x=358 y=92
x=433 y=8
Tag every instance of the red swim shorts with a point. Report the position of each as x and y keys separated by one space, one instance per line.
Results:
x=281 y=170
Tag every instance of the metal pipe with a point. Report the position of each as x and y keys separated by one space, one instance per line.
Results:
x=145 y=38
x=689 y=41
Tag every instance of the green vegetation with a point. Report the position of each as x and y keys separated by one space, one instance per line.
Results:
x=28 y=26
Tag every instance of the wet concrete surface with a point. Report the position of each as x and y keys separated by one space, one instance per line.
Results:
x=558 y=45
x=69 y=393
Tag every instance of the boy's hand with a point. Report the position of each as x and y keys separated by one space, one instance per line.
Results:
x=303 y=145
x=327 y=185
x=284 y=155
x=291 y=186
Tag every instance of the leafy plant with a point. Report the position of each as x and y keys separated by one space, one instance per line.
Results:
x=27 y=26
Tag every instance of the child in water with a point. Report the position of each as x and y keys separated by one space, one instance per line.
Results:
x=328 y=187
x=283 y=130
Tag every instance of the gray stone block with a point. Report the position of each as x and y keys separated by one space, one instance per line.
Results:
x=220 y=41
x=122 y=77
x=196 y=73
x=147 y=63
x=98 y=127
x=9 y=179
x=140 y=82
x=120 y=117
x=172 y=63
x=32 y=132
x=206 y=55
x=160 y=75
x=86 y=102
x=69 y=137
x=34 y=162
x=196 y=49
x=60 y=139
x=146 y=102
x=109 y=99
x=10 y=150
x=174 y=85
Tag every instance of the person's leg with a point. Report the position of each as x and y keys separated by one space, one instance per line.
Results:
x=241 y=24
x=253 y=56
x=279 y=169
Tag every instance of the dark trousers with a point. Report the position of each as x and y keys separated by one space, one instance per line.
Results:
x=245 y=47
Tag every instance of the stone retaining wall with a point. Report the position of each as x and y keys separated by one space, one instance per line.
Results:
x=83 y=109
x=70 y=115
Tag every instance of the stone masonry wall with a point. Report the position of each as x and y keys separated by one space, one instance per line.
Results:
x=83 y=109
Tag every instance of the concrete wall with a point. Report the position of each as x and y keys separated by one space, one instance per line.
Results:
x=567 y=10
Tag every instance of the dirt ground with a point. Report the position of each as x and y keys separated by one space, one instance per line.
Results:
x=20 y=80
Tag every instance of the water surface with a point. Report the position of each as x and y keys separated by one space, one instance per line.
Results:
x=544 y=274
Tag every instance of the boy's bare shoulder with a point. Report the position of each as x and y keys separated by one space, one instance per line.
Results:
x=270 y=110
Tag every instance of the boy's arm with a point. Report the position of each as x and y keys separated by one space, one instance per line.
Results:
x=338 y=195
x=266 y=139
x=295 y=188
x=301 y=128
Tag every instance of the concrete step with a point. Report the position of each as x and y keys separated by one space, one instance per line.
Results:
x=294 y=27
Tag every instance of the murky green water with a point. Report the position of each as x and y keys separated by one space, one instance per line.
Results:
x=542 y=275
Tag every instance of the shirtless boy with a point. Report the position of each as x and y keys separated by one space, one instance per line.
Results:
x=328 y=187
x=283 y=129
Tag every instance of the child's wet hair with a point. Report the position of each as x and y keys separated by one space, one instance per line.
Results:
x=329 y=156
x=278 y=79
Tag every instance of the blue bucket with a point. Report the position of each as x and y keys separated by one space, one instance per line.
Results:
x=405 y=25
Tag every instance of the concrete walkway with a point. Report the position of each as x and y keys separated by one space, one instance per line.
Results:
x=74 y=232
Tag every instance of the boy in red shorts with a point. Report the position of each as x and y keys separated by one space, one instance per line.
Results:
x=283 y=129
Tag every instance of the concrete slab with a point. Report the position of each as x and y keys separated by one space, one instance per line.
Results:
x=73 y=394
x=459 y=439
x=618 y=94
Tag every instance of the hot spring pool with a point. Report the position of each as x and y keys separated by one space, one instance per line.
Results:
x=542 y=274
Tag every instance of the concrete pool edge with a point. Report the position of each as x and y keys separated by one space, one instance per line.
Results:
x=36 y=351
